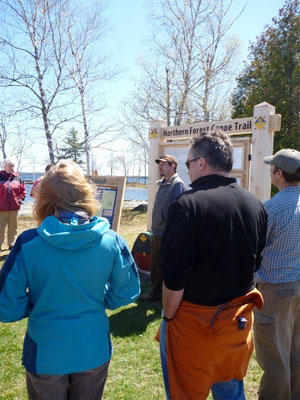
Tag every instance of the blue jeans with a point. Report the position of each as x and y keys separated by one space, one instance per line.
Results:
x=232 y=390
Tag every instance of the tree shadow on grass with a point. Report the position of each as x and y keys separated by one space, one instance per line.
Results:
x=134 y=320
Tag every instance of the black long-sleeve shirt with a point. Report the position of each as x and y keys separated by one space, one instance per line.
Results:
x=213 y=240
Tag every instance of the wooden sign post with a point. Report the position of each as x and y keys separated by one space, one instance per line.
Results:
x=252 y=140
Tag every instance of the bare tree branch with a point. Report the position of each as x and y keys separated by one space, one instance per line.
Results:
x=34 y=49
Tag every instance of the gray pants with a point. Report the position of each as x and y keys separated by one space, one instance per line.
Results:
x=86 y=385
x=277 y=341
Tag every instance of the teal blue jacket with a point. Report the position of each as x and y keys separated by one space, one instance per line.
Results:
x=63 y=277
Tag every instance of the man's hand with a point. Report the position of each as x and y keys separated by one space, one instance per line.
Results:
x=171 y=300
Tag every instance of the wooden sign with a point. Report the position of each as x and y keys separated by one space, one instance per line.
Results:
x=230 y=126
x=110 y=194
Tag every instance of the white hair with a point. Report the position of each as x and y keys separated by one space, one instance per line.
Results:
x=7 y=161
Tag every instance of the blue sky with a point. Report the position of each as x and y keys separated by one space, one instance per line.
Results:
x=128 y=31
x=129 y=28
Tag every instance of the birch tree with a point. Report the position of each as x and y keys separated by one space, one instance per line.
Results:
x=190 y=60
x=14 y=140
x=3 y=135
x=188 y=68
x=20 y=145
x=123 y=162
x=33 y=51
x=88 y=64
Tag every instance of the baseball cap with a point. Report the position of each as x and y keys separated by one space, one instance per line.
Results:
x=288 y=160
x=167 y=158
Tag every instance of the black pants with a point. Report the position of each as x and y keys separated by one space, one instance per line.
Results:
x=86 y=385
x=156 y=269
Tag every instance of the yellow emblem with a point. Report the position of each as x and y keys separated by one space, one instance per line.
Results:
x=153 y=134
x=260 y=123
x=143 y=238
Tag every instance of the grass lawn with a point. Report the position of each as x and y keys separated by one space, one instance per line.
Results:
x=134 y=372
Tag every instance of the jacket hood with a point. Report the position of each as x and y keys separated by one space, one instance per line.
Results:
x=72 y=237
x=165 y=181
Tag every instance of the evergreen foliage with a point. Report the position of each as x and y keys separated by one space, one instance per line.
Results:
x=273 y=75
x=73 y=149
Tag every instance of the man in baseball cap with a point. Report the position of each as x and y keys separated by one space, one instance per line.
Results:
x=171 y=160
x=277 y=324
x=169 y=188
x=288 y=160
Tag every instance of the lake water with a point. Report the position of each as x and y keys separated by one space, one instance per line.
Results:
x=130 y=194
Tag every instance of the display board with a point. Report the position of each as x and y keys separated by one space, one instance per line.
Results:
x=110 y=194
x=252 y=139
x=240 y=170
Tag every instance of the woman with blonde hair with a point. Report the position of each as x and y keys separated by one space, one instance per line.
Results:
x=62 y=276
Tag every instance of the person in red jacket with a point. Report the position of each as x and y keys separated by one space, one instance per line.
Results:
x=38 y=181
x=12 y=194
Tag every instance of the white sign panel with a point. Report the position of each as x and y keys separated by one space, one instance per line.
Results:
x=238 y=158
x=242 y=125
x=181 y=154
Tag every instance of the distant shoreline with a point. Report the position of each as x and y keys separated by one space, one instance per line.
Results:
x=26 y=208
x=128 y=184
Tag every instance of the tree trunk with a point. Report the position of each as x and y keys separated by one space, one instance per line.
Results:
x=44 y=107
x=86 y=131
x=168 y=99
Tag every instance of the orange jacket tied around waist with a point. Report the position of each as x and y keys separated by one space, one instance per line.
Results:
x=209 y=344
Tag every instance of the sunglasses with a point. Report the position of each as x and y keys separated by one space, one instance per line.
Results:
x=187 y=163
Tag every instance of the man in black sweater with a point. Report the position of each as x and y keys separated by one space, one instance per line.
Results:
x=211 y=246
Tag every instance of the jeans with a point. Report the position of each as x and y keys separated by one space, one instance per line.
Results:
x=232 y=390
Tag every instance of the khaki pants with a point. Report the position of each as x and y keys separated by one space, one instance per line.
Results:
x=9 y=218
x=156 y=269
x=277 y=341
x=86 y=385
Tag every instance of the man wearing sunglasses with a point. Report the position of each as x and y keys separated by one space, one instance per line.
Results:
x=211 y=246
x=169 y=188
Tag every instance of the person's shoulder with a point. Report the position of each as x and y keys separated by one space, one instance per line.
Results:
x=282 y=201
x=111 y=234
x=177 y=179
x=121 y=243
x=27 y=236
x=186 y=197
x=24 y=238
x=115 y=237
x=250 y=199
x=275 y=203
x=3 y=176
x=16 y=177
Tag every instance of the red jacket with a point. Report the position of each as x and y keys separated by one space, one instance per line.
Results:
x=12 y=191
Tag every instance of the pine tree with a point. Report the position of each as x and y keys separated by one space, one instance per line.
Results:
x=273 y=75
x=73 y=149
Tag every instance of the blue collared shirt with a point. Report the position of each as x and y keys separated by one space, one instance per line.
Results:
x=281 y=256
